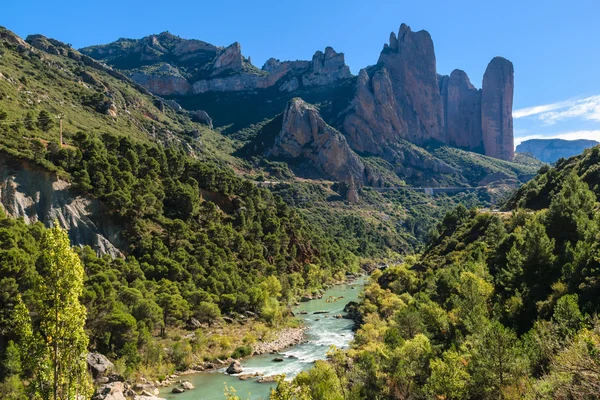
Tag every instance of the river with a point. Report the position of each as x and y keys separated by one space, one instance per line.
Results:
x=323 y=331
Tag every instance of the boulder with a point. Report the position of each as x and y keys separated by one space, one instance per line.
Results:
x=234 y=368
x=99 y=365
x=187 y=385
x=278 y=359
x=177 y=390
x=110 y=391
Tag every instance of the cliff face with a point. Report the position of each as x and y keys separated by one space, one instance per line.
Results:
x=410 y=62
x=305 y=134
x=462 y=111
x=399 y=98
x=36 y=195
x=550 y=150
x=168 y=65
x=496 y=109
x=402 y=97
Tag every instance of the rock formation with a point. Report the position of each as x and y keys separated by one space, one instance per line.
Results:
x=168 y=65
x=410 y=62
x=29 y=192
x=305 y=134
x=550 y=150
x=402 y=97
x=202 y=117
x=496 y=109
x=99 y=365
x=462 y=111
x=399 y=98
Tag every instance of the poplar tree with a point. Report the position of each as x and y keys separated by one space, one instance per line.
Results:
x=62 y=343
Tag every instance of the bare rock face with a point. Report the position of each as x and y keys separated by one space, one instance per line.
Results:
x=35 y=195
x=462 y=111
x=410 y=62
x=203 y=117
x=326 y=68
x=168 y=65
x=373 y=120
x=99 y=365
x=167 y=84
x=230 y=59
x=305 y=134
x=398 y=98
x=496 y=109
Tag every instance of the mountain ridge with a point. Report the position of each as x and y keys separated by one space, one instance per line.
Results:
x=409 y=71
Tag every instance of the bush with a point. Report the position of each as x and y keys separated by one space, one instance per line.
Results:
x=241 y=351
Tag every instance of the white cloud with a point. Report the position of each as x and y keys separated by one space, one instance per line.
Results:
x=589 y=134
x=529 y=111
x=549 y=114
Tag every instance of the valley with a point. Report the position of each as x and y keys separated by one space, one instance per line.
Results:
x=172 y=212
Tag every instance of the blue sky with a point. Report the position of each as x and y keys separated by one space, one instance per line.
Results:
x=554 y=45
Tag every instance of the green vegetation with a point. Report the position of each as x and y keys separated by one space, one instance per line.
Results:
x=499 y=305
x=43 y=331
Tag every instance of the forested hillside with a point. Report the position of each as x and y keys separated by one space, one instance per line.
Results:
x=499 y=305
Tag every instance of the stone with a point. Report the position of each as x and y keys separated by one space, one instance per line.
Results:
x=268 y=379
x=496 y=109
x=99 y=365
x=304 y=134
x=177 y=390
x=202 y=117
x=229 y=320
x=187 y=385
x=110 y=391
x=116 y=378
x=234 y=368
x=278 y=359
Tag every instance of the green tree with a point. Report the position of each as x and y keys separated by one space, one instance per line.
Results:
x=449 y=377
x=61 y=372
x=208 y=312
x=567 y=316
x=497 y=359
x=45 y=121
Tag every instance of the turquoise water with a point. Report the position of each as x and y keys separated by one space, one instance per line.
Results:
x=321 y=334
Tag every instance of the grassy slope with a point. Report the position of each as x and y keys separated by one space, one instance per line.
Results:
x=33 y=81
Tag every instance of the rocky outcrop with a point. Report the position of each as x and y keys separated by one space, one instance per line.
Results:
x=163 y=84
x=168 y=65
x=99 y=365
x=462 y=111
x=305 y=134
x=398 y=98
x=550 y=150
x=110 y=391
x=496 y=109
x=410 y=62
x=326 y=68
x=402 y=97
x=372 y=121
x=235 y=368
x=202 y=117
x=34 y=194
x=230 y=59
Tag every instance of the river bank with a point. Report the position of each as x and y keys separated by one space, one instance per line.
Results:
x=323 y=327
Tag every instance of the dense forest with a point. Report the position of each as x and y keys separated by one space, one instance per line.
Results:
x=499 y=305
